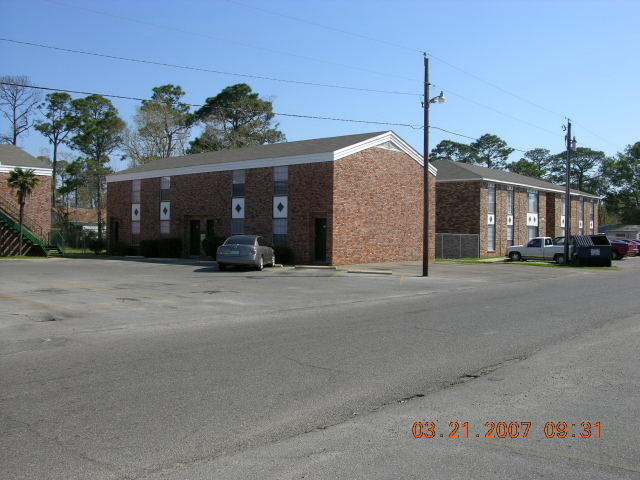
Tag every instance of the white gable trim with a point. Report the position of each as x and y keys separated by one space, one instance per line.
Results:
x=379 y=140
x=544 y=189
x=277 y=161
x=44 y=172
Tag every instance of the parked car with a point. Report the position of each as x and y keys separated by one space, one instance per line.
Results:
x=636 y=242
x=251 y=250
x=633 y=246
x=539 y=248
x=620 y=248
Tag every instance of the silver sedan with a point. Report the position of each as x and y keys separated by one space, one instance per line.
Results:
x=250 y=250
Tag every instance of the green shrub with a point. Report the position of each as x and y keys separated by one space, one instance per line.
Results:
x=162 y=248
x=149 y=248
x=210 y=244
x=170 y=248
x=119 y=249
x=96 y=245
x=283 y=255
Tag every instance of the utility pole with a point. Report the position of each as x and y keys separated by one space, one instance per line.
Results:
x=425 y=156
x=571 y=144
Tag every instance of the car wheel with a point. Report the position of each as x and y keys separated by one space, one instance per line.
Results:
x=273 y=260
x=615 y=256
x=260 y=265
x=515 y=256
x=560 y=259
x=222 y=267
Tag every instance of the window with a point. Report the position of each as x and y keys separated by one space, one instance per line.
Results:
x=532 y=201
x=510 y=210
x=535 y=243
x=165 y=227
x=210 y=227
x=491 y=212
x=491 y=198
x=237 y=226
x=581 y=217
x=532 y=207
x=510 y=200
x=165 y=186
x=238 y=183
x=281 y=180
x=135 y=191
x=592 y=225
x=135 y=233
x=279 y=232
x=491 y=238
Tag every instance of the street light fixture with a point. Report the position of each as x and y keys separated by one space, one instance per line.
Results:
x=425 y=182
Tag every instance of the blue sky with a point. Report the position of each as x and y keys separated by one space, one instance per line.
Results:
x=520 y=66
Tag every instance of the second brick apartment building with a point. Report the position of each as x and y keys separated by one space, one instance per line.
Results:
x=338 y=200
x=505 y=208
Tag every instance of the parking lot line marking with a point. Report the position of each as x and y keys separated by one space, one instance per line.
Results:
x=401 y=280
x=338 y=273
x=35 y=302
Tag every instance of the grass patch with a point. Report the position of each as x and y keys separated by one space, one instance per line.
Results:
x=526 y=264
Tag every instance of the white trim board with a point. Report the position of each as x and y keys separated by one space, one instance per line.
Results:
x=331 y=156
x=43 y=172
x=502 y=182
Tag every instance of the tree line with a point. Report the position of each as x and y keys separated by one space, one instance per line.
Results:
x=162 y=126
x=616 y=178
x=237 y=117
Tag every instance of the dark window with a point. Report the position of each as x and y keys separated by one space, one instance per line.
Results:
x=210 y=227
x=237 y=226
x=535 y=243
x=280 y=180
x=240 y=241
x=237 y=189
x=279 y=232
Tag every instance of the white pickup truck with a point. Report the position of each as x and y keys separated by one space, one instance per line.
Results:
x=539 y=248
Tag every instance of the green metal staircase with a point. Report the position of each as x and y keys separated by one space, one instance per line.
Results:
x=33 y=236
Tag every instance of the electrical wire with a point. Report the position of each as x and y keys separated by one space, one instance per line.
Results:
x=225 y=39
x=201 y=69
x=294 y=115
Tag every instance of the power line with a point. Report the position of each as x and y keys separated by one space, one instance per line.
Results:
x=225 y=39
x=326 y=27
x=440 y=59
x=201 y=69
x=294 y=115
x=185 y=67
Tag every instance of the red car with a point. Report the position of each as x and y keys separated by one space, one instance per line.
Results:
x=621 y=248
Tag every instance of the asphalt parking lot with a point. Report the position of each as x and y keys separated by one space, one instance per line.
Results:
x=131 y=369
x=112 y=294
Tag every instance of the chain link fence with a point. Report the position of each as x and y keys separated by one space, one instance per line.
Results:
x=455 y=245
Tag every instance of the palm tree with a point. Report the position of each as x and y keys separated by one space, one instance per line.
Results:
x=24 y=181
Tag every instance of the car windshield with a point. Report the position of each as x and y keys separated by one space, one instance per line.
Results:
x=240 y=241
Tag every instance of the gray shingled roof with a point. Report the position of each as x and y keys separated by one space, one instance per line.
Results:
x=274 y=150
x=16 y=157
x=449 y=170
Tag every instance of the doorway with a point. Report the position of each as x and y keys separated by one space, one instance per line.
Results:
x=320 y=240
x=194 y=237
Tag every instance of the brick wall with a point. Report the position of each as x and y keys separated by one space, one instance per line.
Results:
x=458 y=207
x=374 y=213
x=310 y=187
x=378 y=208
x=38 y=204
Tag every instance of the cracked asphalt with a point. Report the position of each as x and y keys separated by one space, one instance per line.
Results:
x=143 y=370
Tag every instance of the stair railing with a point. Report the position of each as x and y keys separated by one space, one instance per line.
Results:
x=13 y=210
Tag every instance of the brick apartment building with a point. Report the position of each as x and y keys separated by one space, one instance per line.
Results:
x=338 y=200
x=505 y=208
x=37 y=211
